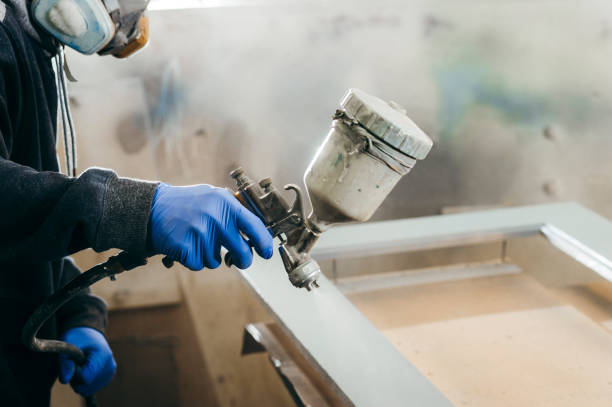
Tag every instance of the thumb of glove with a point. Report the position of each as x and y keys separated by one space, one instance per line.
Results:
x=66 y=369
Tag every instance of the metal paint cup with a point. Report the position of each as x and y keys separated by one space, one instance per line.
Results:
x=371 y=145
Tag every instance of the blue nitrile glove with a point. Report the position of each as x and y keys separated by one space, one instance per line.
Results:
x=100 y=367
x=190 y=224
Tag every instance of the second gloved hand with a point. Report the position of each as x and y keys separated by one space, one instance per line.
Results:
x=100 y=367
x=190 y=224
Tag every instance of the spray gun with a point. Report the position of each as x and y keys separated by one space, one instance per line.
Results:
x=371 y=145
x=287 y=222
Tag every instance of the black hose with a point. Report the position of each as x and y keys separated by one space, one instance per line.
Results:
x=114 y=265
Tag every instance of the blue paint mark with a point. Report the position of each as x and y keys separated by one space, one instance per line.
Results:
x=338 y=160
x=465 y=85
x=166 y=114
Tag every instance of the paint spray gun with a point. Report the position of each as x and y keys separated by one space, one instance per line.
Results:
x=370 y=146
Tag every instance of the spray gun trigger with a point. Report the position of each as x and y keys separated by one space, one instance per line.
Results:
x=298 y=204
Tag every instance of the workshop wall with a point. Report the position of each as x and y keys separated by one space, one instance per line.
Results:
x=517 y=96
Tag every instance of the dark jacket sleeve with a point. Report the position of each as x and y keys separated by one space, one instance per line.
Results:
x=84 y=309
x=46 y=215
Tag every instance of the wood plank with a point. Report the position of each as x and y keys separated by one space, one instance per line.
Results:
x=300 y=377
x=219 y=306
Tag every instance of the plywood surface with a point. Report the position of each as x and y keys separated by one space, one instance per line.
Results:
x=503 y=340
x=411 y=305
x=543 y=357
x=592 y=299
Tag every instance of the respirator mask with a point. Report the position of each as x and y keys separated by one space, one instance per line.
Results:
x=115 y=27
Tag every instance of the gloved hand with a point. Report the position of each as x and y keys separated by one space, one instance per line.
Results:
x=100 y=366
x=190 y=224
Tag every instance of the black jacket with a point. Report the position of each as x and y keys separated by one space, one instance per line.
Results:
x=45 y=216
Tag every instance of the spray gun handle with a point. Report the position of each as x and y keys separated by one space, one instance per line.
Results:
x=227 y=259
x=77 y=379
x=168 y=262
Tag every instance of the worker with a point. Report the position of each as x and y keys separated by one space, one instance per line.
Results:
x=45 y=216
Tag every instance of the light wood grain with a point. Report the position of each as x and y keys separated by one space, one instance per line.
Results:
x=545 y=357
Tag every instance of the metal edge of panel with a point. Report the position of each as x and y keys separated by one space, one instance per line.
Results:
x=412 y=244
x=571 y=228
x=578 y=251
x=304 y=385
x=430 y=275
x=435 y=231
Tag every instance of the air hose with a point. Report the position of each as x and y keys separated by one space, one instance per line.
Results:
x=114 y=265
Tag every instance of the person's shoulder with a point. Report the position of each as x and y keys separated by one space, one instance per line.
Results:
x=20 y=36
x=7 y=16
x=4 y=10
x=11 y=33
x=8 y=23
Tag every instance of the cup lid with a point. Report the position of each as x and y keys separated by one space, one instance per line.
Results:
x=386 y=122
